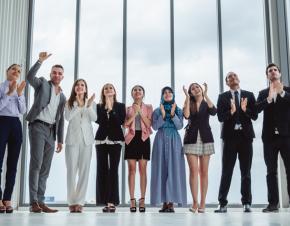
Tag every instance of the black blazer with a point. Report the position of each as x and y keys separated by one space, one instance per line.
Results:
x=224 y=115
x=275 y=114
x=199 y=121
x=110 y=127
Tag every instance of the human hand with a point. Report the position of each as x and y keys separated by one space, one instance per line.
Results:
x=58 y=148
x=43 y=56
x=91 y=100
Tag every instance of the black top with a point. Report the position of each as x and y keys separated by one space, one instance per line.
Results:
x=245 y=118
x=276 y=114
x=110 y=126
x=199 y=121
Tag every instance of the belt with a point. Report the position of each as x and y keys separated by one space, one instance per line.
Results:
x=44 y=123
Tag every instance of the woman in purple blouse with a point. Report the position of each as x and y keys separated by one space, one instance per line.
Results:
x=12 y=105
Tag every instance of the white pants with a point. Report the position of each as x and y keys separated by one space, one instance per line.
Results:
x=78 y=160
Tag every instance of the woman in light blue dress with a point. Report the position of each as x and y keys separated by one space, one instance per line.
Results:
x=168 y=183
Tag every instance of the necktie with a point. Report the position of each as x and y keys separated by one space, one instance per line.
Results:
x=237 y=103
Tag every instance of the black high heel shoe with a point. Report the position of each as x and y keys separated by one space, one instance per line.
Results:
x=142 y=208
x=133 y=209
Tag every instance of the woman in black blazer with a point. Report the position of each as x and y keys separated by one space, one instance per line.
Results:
x=198 y=140
x=109 y=139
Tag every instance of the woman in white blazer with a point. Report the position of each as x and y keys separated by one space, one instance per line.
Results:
x=80 y=112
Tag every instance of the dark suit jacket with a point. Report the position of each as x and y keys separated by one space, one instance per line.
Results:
x=42 y=94
x=224 y=115
x=199 y=121
x=111 y=127
x=275 y=114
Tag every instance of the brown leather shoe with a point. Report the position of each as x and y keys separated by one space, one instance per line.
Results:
x=35 y=208
x=46 y=209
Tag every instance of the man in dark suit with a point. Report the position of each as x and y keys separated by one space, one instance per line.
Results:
x=236 y=110
x=275 y=102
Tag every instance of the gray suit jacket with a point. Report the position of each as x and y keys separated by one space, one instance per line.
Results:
x=42 y=95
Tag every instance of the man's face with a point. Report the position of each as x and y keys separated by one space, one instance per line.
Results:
x=232 y=80
x=56 y=75
x=273 y=73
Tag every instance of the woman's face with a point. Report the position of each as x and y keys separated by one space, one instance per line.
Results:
x=167 y=95
x=137 y=93
x=109 y=90
x=13 y=73
x=195 y=90
x=80 y=88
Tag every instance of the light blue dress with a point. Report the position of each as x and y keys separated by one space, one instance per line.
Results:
x=168 y=178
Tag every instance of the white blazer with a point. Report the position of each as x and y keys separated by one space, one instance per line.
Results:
x=80 y=124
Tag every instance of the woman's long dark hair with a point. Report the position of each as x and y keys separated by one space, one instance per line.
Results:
x=73 y=94
x=192 y=103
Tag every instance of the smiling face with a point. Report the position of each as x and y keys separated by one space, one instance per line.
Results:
x=167 y=95
x=56 y=75
x=232 y=80
x=195 y=90
x=80 y=88
x=137 y=93
x=13 y=72
x=109 y=90
x=273 y=73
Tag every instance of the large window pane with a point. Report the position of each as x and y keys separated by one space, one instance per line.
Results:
x=244 y=53
x=54 y=32
x=148 y=59
x=101 y=36
x=196 y=60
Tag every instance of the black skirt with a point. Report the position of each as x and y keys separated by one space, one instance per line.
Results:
x=137 y=148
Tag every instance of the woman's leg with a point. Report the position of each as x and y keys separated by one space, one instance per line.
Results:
x=131 y=180
x=193 y=178
x=203 y=172
x=143 y=180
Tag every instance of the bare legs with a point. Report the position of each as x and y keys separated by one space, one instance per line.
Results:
x=198 y=165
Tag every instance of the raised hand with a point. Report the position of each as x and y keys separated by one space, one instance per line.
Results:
x=172 y=113
x=162 y=110
x=233 y=106
x=12 y=87
x=43 y=56
x=244 y=103
x=272 y=92
x=91 y=100
x=79 y=100
x=279 y=87
x=205 y=89
x=185 y=91
x=109 y=104
x=20 y=88
x=136 y=108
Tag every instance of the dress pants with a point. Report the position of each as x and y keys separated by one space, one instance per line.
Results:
x=107 y=186
x=78 y=160
x=42 y=146
x=10 y=136
x=241 y=147
x=271 y=149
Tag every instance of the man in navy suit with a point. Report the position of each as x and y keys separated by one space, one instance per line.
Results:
x=275 y=102
x=236 y=110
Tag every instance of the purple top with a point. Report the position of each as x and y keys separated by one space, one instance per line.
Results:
x=12 y=105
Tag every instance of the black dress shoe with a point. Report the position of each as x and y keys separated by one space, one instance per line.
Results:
x=221 y=209
x=247 y=208
x=270 y=208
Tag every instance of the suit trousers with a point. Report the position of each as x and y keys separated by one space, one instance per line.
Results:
x=10 y=136
x=241 y=147
x=107 y=184
x=42 y=146
x=78 y=161
x=272 y=146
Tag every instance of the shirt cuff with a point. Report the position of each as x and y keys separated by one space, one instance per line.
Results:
x=283 y=93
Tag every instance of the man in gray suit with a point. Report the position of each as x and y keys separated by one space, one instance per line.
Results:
x=46 y=123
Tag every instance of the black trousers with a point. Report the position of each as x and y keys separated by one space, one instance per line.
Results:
x=10 y=136
x=107 y=185
x=271 y=150
x=241 y=147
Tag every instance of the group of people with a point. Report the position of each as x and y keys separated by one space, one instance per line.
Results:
x=236 y=109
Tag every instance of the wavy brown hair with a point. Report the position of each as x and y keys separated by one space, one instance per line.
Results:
x=103 y=98
x=73 y=94
x=192 y=103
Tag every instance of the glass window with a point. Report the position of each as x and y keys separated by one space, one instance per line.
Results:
x=54 y=32
x=148 y=59
x=196 y=60
x=100 y=59
x=244 y=53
